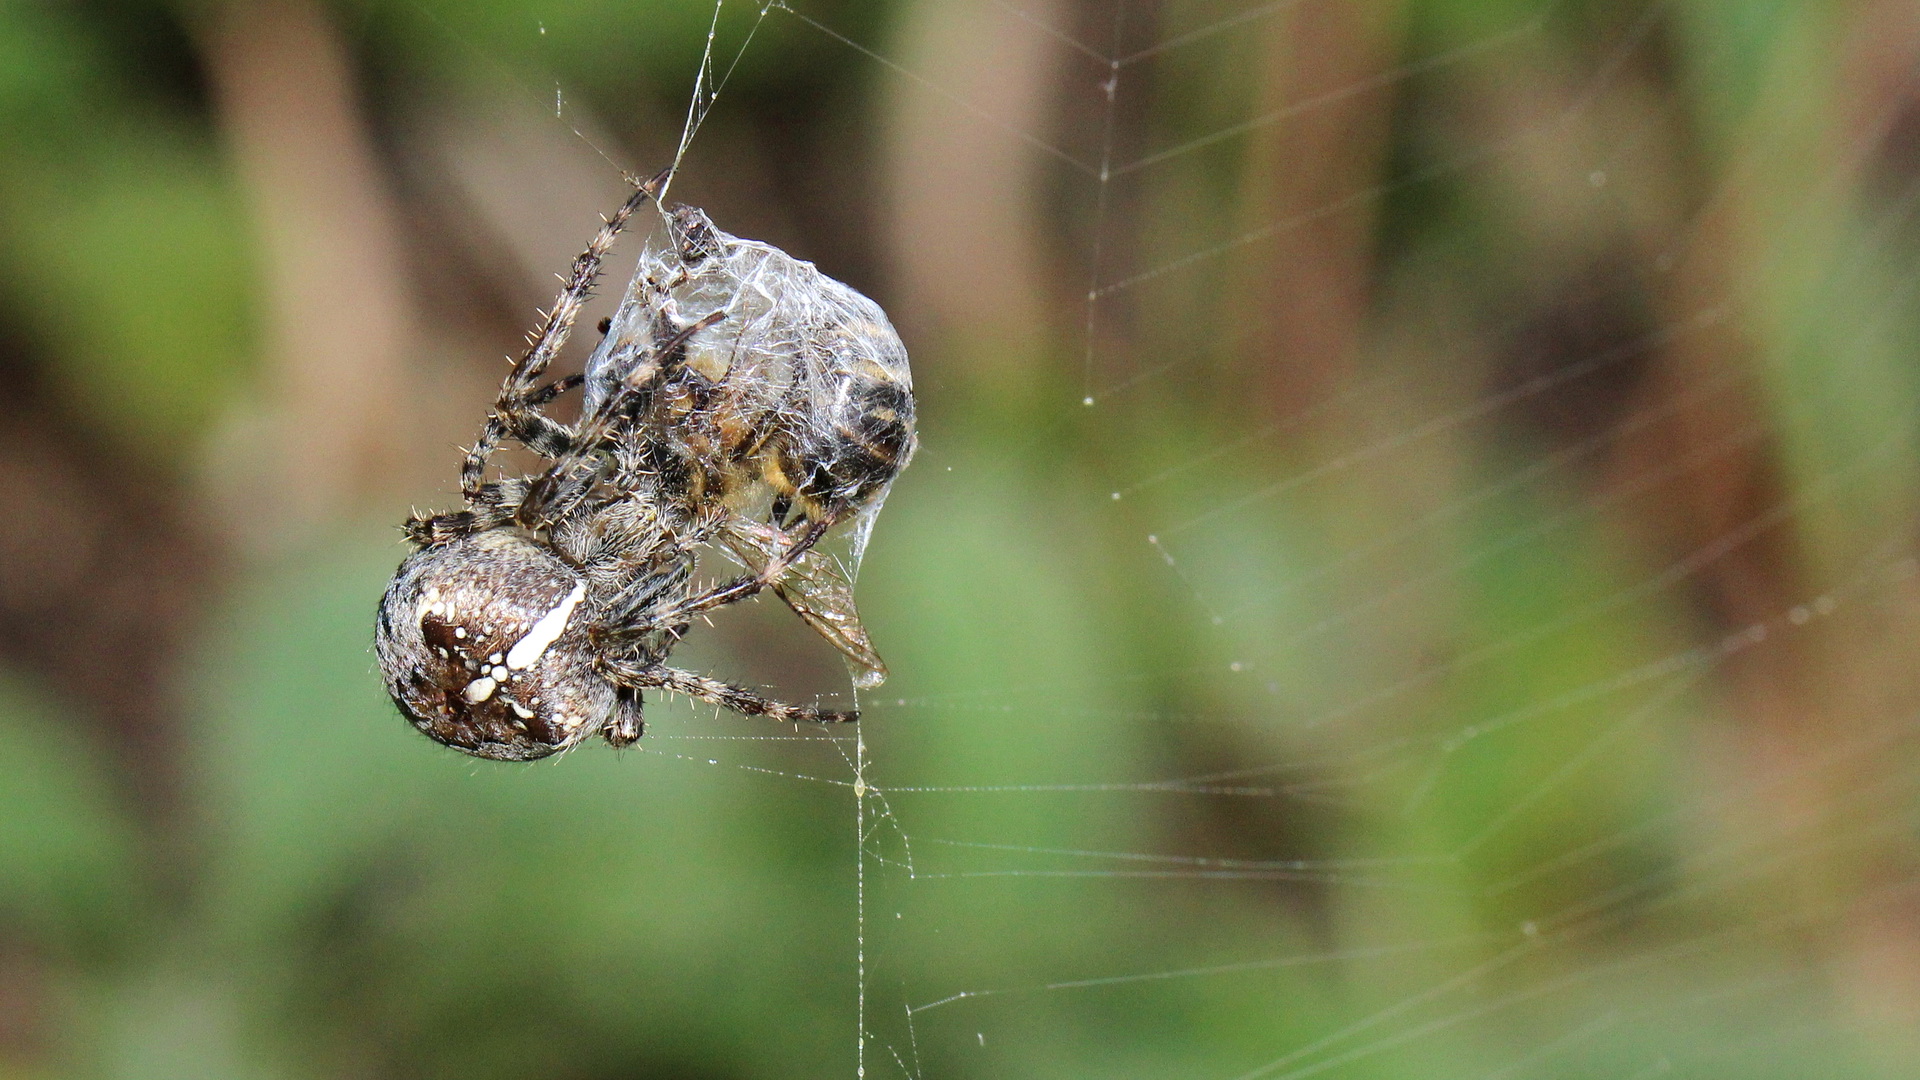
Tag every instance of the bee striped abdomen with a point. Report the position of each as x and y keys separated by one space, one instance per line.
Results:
x=865 y=444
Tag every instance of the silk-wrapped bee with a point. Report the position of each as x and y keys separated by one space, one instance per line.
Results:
x=740 y=402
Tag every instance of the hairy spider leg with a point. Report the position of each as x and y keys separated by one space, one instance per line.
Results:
x=539 y=432
x=492 y=506
x=572 y=476
x=510 y=411
x=496 y=501
x=633 y=615
x=627 y=723
x=724 y=694
x=747 y=585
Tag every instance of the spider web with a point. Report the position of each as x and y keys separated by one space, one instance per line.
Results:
x=1418 y=704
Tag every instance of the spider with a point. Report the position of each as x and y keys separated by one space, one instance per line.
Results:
x=740 y=401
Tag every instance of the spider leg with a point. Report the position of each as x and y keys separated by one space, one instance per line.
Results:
x=746 y=585
x=522 y=420
x=551 y=336
x=554 y=389
x=629 y=615
x=727 y=695
x=572 y=475
x=492 y=506
x=535 y=430
x=626 y=725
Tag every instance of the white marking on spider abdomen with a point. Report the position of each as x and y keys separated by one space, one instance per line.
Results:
x=527 y=651
x=480 y=689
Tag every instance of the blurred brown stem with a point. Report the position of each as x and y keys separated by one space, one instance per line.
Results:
x=1310 y=168
x=337 y=311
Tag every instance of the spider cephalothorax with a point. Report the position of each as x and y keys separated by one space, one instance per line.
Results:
x=740 y=401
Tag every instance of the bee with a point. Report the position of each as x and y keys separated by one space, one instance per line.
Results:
x=800 y=392
x=740 y=402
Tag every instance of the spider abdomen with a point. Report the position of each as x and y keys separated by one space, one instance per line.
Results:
x=485 y=647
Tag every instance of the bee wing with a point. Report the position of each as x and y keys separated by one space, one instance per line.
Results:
x=824 y=601
x=817 y=590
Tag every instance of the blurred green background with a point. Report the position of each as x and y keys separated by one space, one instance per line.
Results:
x=1410 y=571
